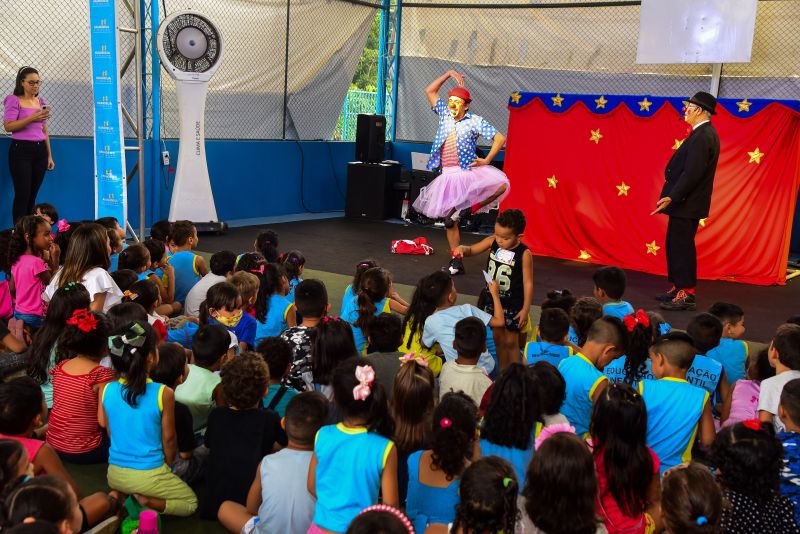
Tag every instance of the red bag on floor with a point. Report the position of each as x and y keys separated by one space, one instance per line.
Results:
x=418 y=246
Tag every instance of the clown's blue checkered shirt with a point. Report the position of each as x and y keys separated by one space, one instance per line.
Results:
x=468 y=130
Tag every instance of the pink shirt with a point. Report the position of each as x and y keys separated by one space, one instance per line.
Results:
x=744 y=404
x=12 y=111
x=28 y=285
x=31 y=445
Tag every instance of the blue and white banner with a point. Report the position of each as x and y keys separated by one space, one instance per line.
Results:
x=109 y=147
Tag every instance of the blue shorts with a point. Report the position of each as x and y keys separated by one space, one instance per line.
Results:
x=34 y=321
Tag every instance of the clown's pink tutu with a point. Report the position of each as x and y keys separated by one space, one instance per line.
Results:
x=460 y=189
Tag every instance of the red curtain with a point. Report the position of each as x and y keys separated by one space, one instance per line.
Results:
x=588 y=181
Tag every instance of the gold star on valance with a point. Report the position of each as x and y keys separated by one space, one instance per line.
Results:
x=601 y=102
x=557 y=100
x=515 y=97
x=744 y=105
x=644 y=105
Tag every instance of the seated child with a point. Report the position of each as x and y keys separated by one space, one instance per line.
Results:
x=372 y=297
x=581 y=318
x=488 y=496
x=172 y=370
x=279 y=500
x=241 y=431
x=463 y=373
x=742 y=403
x=294 y=263
x=385 y=335
x=124 y=278
x=311 y=300
x=117 y=245
x=677 y=411
x=705 y=330
x=274 y=311
x=423 y=305
x=46 y=211
x=139 y=415
x=784 y=356
x=223 y=306
x=248 y=285
x=201 y=390
x=352 y=287
x=605 y=341
x=551 y=390
x=688 y=494
x=189 y=267
x=609 y=287
x=137 y=259
x=554 y=331
x=277 y=353
x=145 y=294
x=789 y=411
x=731 y=351
x=222 y=264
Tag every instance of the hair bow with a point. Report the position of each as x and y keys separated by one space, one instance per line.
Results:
x=640 y=317
x=294 y=260
x=260 y=270
x=507 y=482
x=63 y=225
x=664 y=329
x=552 y=430
x=134 y=337
x=701 y=520
x=365 y=376
x=327 y=319
x=83 y=320
x=753 y=424
x=413 y=357
x=445 y=422
x=130 y=294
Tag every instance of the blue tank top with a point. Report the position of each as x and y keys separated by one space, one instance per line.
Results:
x=572 y=337
x=705 y=372
x=582 y=379
x=615 y=371
x=293 y=284
x=518 y=458
x=135 y=430
x=350 y=464
x=732 y=354
x=186 y=274
x=429 y=504
x=349 y=313
x=113 y=265
x=537 y=351
x=617 y=309
x=275 y=321
x=674 y=408
x=145 y=275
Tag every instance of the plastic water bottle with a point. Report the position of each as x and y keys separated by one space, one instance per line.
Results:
x=148 y=522
x=404 y=209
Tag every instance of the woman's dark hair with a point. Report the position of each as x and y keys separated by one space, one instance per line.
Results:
x=749 y=461
x=550 y=385
x=156 y=249
x=220 y=295
x=45 y=497
x=267 y=245
x=92 y=343
x=379 y=520
x=488 y=493
x=11 y=452
x=143 y=292
x=161 y=230
x=333 y=343
x=21 y=75
x=126 y=312
x=361 y=267
x=269 y=284
x=374 y=409
x=134 y=257
x=250 y=262
x=293 y=261
x=429 y=293
x=129 y=348
x=5 y=244
x=583 y=314
x=413 y=394
x=171 y=364
x=619 y=431
x=124 y=278
x=561 y=487
x=455 y=421
x=690 y=493
x=559 y=298
x=638 y=352
x=65 y=300
x=513 y=409
x=22 y=237
x=374 y=287
x=87 y=250
x=64 y=238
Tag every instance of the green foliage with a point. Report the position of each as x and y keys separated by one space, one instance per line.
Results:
x=366 y=76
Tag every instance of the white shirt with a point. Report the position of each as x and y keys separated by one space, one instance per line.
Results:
x=696 y=126
x=467 y=378
x=197 y=294
x=97 y=282
x=769 y=398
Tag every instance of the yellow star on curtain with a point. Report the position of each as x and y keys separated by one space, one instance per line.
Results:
x=744 y=105
x=584 y=255
x=622 y=189
x=596 y=136
x=515 y=97
x=601 y=102
x=703 y=222
x=644 y=105
x=677 y=144
x=557 y=100
x=552 y=182
x=652 y=248
x=755 y=156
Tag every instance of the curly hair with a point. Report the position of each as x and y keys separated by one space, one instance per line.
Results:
x=561 y=486
x=22 y=237
x=513 y=409
x=686 y=495
x=513 y=219
x=583 y=314
x=749 y=461
x=244 y=380
x=452 y=444
x=639 y=341
x=488 y=493
x=559 y=298
x=550 y=385
x=413 y=394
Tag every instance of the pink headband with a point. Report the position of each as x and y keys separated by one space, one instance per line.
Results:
x=365 y=376
x=552 y=430
x=390 y=510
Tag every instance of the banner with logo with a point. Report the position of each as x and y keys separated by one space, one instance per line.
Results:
x=109 y=152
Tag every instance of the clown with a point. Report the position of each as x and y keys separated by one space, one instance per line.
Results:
x=466 y=181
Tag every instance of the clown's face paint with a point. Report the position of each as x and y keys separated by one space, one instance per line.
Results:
x=457 y=107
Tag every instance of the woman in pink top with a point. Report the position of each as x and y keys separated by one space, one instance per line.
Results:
x=34 y=258
x=25 y=115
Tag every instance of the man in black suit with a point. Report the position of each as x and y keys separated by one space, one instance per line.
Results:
x=686 y=198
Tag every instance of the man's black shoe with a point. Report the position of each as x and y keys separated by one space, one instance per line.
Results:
x=683 y=301
x=455 y=267
x=668 y=296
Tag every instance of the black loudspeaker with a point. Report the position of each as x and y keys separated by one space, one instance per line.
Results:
x=370 y=192
x=370 y=138
x=417 y=180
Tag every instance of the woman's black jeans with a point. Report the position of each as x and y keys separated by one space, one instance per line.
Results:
x=27 y=161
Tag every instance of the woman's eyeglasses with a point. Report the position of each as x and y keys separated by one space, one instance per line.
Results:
x=34 y=82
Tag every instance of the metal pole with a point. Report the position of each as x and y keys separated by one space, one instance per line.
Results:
x=716 y=77
x=398 y=11
x=286 y=69
x=139 y=112
x=383 y=48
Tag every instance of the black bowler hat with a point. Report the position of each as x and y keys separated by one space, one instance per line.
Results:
x=705 y=101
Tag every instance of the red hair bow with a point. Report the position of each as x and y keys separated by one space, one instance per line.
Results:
x=753 y=424
x=640 y=317
x=83 y=319
x=260 y=270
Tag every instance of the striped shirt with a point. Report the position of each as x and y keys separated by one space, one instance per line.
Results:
x=449 y=151
x=73 y=420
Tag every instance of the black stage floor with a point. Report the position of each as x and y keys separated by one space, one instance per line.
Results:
x=336 y=245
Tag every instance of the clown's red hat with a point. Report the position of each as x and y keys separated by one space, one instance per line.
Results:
x=461 y=93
